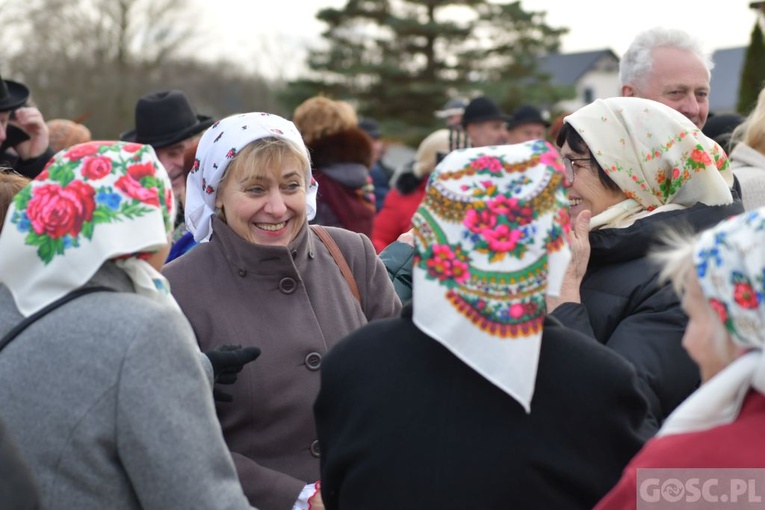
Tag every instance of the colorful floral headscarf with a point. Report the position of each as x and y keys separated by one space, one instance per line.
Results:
x=657 y=156
x=218 y=146
x=730 y=264
x=93 y=202
x=490 y=239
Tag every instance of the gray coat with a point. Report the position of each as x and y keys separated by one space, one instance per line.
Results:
x=110 y=406
x=18 y=488
x=294 y=305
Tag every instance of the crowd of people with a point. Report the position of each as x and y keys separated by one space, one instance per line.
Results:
x=255 y=312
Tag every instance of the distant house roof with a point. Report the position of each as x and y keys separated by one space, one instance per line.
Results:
x=726 y=77
x=568 y=68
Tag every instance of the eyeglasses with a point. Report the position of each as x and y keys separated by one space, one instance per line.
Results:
x=568 y=164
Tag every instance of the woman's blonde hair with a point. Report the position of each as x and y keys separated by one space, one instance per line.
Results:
x=752 y=130
x=320 y=116
x=675 y=257
x=265 y=155
x=10 y=184
x=431 y=147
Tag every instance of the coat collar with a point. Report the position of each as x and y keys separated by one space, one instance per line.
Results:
x=622 y=244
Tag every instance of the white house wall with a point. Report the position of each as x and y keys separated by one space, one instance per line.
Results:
x=602 y=84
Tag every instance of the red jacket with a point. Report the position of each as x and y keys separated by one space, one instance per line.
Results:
x=395 y=217
x=740 y=444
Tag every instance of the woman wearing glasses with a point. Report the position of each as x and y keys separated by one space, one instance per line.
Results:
x=635 y=167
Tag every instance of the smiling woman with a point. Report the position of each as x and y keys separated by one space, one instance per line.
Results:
x=262 y=278
x=263 y=195
x=635 y=166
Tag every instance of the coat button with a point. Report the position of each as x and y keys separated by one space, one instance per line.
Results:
x=313 y=361
x=242 y=271
x=287 y=285
x=315 y=449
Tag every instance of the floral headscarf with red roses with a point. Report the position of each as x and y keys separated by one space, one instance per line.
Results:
x=93 y=202
x=658 y=157
x=490 y=244
x=217 y=147
x=730 y=265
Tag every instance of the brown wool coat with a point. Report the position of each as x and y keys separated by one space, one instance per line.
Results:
x=293 y=304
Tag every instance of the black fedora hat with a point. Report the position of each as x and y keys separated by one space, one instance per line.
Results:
x=12 y=95
x=165 y=118
x=481 y=109
x=526 y=114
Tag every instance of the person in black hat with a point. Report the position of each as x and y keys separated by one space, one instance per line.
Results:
x=484 y=122
x=24 y=140
x=166 y=121
x=526 y=124
x=452 y=112
x=379 y=172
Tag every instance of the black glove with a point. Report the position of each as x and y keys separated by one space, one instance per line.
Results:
x=227 y=361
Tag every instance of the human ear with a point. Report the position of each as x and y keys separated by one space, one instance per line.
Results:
x=628 y=91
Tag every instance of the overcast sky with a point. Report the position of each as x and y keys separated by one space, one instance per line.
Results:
x=272 y=36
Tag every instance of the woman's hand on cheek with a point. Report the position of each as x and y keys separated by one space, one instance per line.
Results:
x=579 y=241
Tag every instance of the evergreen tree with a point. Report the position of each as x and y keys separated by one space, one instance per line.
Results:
x=753 y=74
x=400 y=60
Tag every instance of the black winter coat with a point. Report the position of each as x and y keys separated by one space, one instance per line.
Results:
x=624 y=306
x=405 y=424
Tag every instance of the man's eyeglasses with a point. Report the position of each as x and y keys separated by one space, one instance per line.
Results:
x=568 y=164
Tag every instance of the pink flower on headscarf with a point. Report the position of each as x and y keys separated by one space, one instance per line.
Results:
x=444 y=264
x=133 y=188
x=131 y=147
x=719 y=307
x=142 y=170
x=478 y=221
x=744 y=295
x=551 y=159
x=80 y=151
x=516 y=310
x=502 y=239
x=489 y=163
x=502 y=205
x=56 y=211
x=701 y=156
x=169 y=198
x=96 y=168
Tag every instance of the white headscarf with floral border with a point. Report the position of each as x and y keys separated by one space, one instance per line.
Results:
x=730 y=264
x=657 y=156
x=490 y=241
x=217 y=147
x=93 y=202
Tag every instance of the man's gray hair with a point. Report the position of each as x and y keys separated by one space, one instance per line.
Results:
x=635 y=65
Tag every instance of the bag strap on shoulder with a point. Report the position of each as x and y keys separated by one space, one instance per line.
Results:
x=334 y=250
x=21 y=326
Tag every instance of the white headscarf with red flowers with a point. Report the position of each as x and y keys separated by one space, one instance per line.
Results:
x=730 y=264
x=490 y=241
x=94 y=202
x=657 y=156
x=217 y=147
